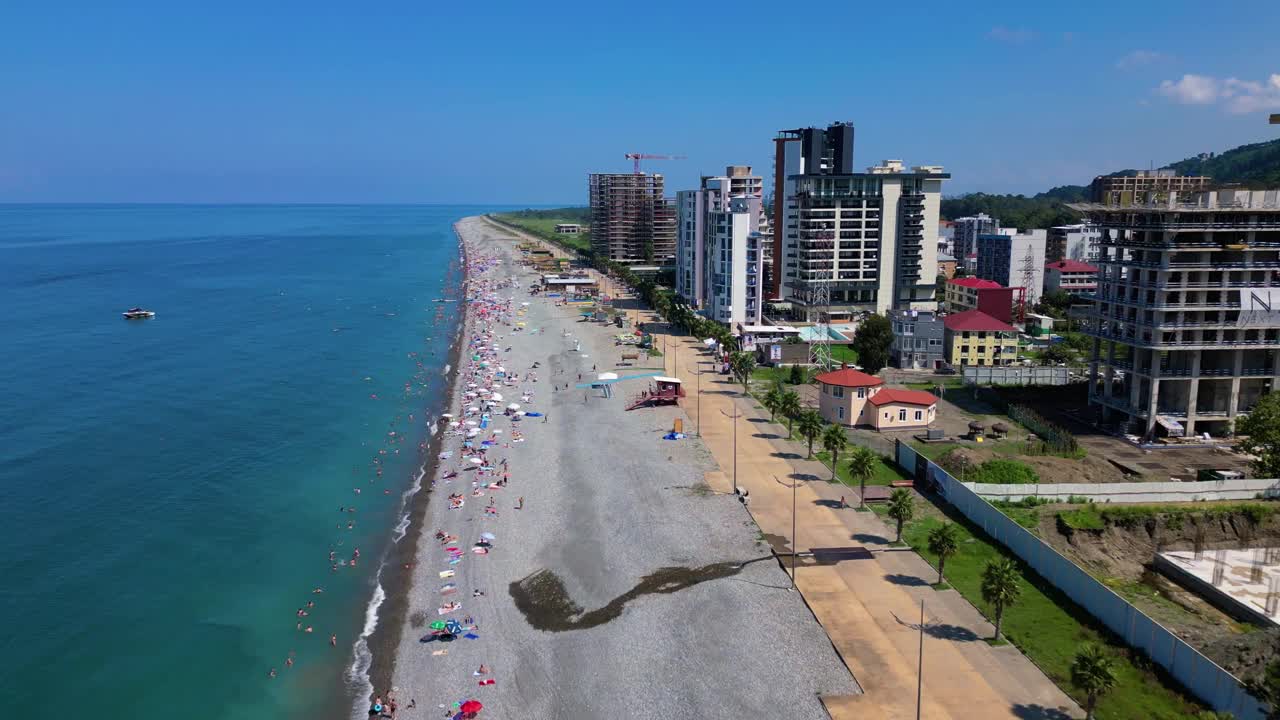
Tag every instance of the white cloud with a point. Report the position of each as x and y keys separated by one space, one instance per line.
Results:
x=1235 y=95
x=1013 y=36
x=1140 y=58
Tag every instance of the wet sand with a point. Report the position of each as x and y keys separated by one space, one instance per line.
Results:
x=624 y=588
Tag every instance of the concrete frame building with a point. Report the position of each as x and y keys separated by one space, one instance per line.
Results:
x=1072 y=242
x=917 y=340
x=869 y=238
x=719 y=253
x=1143 y=187
x=1014 y=261
x=631 y=222
x=1186 y=322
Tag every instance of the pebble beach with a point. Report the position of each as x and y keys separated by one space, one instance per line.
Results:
x=572 y=560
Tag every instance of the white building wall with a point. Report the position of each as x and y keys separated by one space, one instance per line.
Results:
x=892 y=190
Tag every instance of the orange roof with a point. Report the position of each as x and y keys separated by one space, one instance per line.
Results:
x=848 y=377
x=906 y=397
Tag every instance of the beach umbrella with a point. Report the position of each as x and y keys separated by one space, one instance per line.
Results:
x=497 y=397
x=472 y=423
x=446 y=415
x=488 y=536
x=471 y=706
x=437 y=625
x=497 y=432
x=513 y=406
x=607 y=376
x=476 y=460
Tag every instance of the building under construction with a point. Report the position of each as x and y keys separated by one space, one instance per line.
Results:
x=631 y=222
x=1143 y=186
x=1186 y=324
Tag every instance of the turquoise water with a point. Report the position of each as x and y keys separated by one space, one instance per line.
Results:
x=171 y=487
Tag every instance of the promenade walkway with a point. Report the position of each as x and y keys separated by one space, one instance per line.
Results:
x=869 y=608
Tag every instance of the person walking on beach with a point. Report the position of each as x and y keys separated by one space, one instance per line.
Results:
x=520 y=503
x=544 y=418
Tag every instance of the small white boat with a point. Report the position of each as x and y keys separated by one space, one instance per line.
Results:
x=138 y=314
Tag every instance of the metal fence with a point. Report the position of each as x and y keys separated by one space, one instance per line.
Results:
x=1016 y=375
x=1202 y=677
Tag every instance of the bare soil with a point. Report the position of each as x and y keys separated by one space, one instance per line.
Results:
x=1050 y=468
x=1121 y=557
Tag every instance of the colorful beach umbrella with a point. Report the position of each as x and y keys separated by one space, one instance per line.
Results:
x=437 y=625
x=471 y=706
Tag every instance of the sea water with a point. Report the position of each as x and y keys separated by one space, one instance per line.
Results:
x=172 y=487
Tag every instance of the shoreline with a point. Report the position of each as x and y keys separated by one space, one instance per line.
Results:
x=395 y=574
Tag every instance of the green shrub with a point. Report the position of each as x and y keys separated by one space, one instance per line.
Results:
x=1085 y=518
x=1003 y=471
x=1053 y=438
x=1079 y=499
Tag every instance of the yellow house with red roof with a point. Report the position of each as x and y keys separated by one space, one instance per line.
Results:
x=851 y=397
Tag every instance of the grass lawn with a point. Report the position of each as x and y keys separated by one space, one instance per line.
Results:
x=844 y=354
x=933 y=451
x=545 y=228
x=1049 y=628
x=886 y=472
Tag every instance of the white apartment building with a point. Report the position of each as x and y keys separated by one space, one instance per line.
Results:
x=1073 y=242
x=871 y=239
x=734 y=268
x=719 y=261
x=1015 y=260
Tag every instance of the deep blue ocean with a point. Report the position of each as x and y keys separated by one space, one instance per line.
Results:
x=171 y=488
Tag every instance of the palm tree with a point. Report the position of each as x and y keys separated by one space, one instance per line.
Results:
x=810 y=424
x=1093 y=673
x=943 y=542
x=902 y=507
x=1000 y=587
x=862 y=467
x=772 y=400
x=834 y=441
x=790 y=407
x=742 y=364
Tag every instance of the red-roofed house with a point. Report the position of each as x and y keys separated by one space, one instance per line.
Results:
x=852 y=397
x=971 y=293
x=975 y=338
x=1071 y=276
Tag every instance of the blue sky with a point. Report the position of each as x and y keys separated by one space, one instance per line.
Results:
x=500 y=102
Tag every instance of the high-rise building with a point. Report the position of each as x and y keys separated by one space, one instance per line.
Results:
x=868 y=239
x=719 y=252
x=965 y=233
x=631 y=222
x=1143 y=187
x=1186 y=320
x=1015 y=260
x=803 y=151
x=1072 y=242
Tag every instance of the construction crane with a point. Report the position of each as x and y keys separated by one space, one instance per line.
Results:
x=637 y=157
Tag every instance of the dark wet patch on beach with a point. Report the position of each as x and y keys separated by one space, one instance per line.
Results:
x=546 y=604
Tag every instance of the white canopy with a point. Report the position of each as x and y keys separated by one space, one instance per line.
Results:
x=513 y=406
x=607 y=376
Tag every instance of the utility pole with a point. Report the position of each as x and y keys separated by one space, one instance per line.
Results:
x=699 y=401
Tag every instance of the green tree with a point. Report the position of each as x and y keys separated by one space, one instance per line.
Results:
x=1058 y=353
x=862 y=467
x=1262 y=430
x=810 y=426
x=1054 y=304
x=790 y=407
x=1093 y=673
x=797 y=375
x=834 y=441
x=944 y=541
x=1000 y=587
x=902 y=507
x=772 y=400
x=742 y=364
x=872 y=341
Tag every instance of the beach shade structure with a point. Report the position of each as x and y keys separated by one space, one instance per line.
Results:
x=607 y=376
x=513 y=406
x=497 y=397
x=446 y=415
x=488 y=536
x=437 y=625
x=472 y=423
x=471 y=707
x=709 y=342
x=476 y=460
x=1000 y=429
x=471 y=385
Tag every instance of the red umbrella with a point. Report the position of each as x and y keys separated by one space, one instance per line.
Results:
x=470 y=707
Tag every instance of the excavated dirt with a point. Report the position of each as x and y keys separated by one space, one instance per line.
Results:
x=1121 y=558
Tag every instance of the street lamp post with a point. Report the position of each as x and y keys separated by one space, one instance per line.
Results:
x=699 y=401
x=736 y=414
